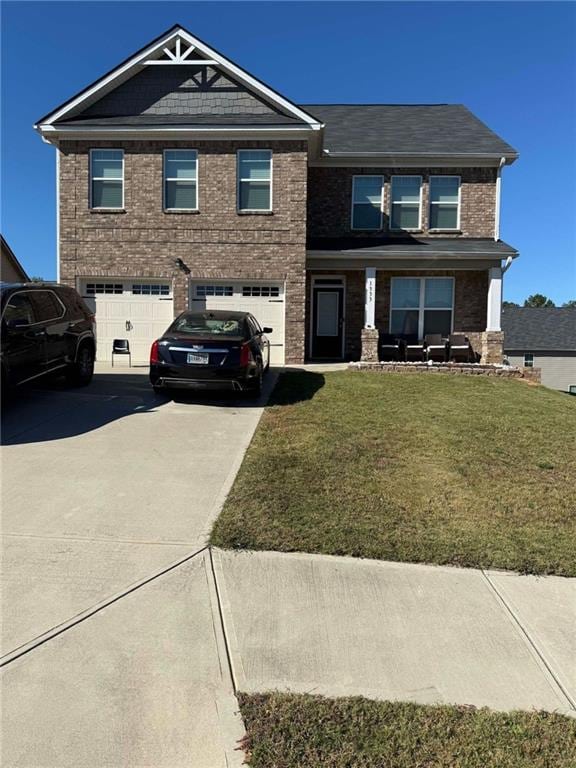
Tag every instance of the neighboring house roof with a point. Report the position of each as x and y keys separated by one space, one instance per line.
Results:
x=533 y=329
x=406 y=129
x=412 y=246
x=10 y=267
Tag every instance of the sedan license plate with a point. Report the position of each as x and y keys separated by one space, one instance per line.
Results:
x=197 y=358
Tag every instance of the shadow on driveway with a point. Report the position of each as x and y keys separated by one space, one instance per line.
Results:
x=55 y=411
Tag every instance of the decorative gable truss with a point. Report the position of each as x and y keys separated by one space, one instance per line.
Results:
x=180 y=54
x=200 y=65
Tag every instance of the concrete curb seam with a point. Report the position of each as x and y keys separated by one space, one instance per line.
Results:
x=58 y=629
x=528 y=639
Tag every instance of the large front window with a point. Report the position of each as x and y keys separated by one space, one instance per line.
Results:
x=254 y=180
x=367 y=194
x=421 y=305
x=106 y=178
x=180 y=180
x=405 y=202
x=444 y=202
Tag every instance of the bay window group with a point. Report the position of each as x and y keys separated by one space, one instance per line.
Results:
x=405 y=208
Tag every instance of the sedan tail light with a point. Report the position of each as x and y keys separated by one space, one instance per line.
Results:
x=246 y=356
x=154 y=356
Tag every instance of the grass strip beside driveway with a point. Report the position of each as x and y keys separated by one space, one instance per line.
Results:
x=304 y=731
x=420 y=468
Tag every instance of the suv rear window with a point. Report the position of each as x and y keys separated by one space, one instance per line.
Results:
x=46 y=306
x=206 y=325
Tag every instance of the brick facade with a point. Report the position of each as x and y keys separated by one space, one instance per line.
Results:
x=330 y=200
x=216 y=242
x=470 y=303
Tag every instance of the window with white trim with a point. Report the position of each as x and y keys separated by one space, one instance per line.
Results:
x=421 y=305
x=254 y=180
x=444 y=202
x=180 y=180
x=92 y=289
x=405 y=202
x=367 y=202
x=272 y=291
x=528 y=360
x=106 y=178
x=203 y=291
x=151 y=289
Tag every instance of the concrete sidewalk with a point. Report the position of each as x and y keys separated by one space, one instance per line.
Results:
x=142 y=683
x=340 y=626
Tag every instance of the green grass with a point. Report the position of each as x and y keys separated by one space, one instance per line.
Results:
x=302 y=731
x=419 y=468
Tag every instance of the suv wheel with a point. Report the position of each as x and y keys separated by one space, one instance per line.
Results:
x=80 y=373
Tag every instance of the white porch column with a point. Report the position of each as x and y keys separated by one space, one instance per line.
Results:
x=494 y=299
x=370 y=298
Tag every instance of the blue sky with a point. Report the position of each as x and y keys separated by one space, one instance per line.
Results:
x=513 y=64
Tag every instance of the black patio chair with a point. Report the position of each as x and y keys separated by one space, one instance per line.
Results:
x=121 y=347
x=435 y=347
x=414 y=349
x=459 y=349
x=390 y=347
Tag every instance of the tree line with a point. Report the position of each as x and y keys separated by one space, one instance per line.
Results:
x=538 y=300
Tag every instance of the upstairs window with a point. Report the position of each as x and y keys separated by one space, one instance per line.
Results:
x=367 y=196
x=106 y=178
x=180 y=180
x=406 y=202
x=254 y=180
x=421 y=305
x=444 y=202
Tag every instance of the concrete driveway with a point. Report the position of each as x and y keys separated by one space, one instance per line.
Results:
x=104 y=490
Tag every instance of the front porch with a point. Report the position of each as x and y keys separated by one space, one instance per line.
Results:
x=350 y=309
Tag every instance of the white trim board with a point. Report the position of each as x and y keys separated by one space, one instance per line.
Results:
x=155 y=50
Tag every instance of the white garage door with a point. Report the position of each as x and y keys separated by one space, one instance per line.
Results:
x=134 y=309
x=264 y=300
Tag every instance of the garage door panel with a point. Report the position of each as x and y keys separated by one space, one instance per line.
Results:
x=265 y=302
x=147 y=313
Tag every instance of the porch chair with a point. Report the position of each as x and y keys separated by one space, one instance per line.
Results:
x=414 y=349
x=435 y=347
x=390 y=347
x=459 y=350
x=121 y=347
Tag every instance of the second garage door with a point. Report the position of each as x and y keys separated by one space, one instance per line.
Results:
x=264 y=300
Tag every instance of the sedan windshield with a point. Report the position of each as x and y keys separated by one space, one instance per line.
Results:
x=208 y=325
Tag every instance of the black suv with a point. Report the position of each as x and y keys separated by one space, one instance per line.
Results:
x=46 y=328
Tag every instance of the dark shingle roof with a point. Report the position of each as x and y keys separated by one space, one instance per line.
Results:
x=539 y=328
x=406 y=128
x=412 y=246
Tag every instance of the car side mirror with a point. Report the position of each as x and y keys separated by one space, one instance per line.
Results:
x=267 y=330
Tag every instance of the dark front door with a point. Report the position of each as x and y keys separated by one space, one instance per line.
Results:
x=327 y=321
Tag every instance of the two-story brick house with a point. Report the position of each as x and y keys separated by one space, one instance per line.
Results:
x=183 y=181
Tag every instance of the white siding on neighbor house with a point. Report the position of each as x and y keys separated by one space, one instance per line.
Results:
x=558 y=368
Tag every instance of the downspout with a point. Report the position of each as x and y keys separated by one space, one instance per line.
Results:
x=57 y=214
x=497 y=204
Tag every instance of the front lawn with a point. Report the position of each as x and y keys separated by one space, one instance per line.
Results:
x=302 y=731
x=412 y=467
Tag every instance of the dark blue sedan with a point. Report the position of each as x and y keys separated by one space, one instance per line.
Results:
x=211 y=350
